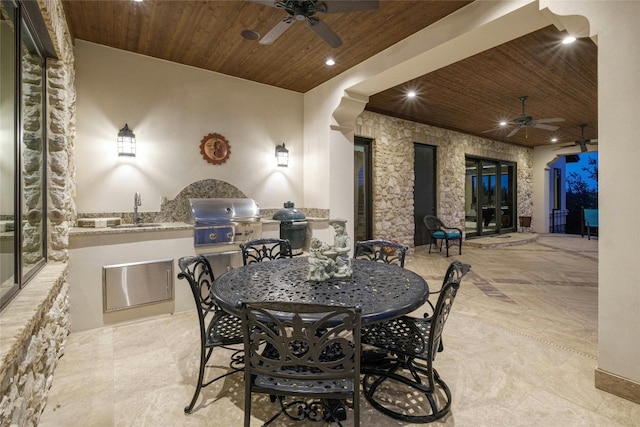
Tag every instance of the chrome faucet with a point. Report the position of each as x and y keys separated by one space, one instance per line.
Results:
x=137 y=201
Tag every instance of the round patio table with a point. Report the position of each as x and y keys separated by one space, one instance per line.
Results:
x=383 y=291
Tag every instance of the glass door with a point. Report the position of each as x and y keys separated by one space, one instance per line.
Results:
x=471 y=198
x=490 y=196
x=507 y=196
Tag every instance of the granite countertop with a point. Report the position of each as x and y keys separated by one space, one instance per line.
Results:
x=310 y=219
x=163 y=226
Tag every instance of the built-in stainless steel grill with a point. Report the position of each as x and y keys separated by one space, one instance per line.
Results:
x=220 y=225
x=224 y=221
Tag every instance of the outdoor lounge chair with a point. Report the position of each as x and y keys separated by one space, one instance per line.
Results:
x=450 y=236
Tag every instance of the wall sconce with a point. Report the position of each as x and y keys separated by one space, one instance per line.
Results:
x=126 y=142
x=282 y=155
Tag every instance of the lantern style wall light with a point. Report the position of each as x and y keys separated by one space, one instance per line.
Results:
x=282 y=155
x=126 y=142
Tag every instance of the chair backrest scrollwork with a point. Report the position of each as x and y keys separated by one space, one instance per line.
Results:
x=266 y=249
x=381 y=250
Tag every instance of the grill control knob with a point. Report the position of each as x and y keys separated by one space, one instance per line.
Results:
x=230 y=236
x=212 y=237
x=248 y=231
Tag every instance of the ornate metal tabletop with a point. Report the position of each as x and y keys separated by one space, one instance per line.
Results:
x=383 y=291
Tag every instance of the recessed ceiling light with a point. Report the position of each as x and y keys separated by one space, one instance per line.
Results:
x=330 y=62
x=503 y=123
x=411 y=94
x=568 y=40
x=554 y=139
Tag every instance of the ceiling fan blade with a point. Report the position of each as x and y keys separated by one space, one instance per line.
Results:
x=271 y=3
x=592 y=141
x=545 y=127
x=564 y=146
x=325 y=33
x=334 y=6
x=553 y=120
x=513 y=132
x=277 y=31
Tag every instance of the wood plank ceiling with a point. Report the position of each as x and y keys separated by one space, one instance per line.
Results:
x=469 y=96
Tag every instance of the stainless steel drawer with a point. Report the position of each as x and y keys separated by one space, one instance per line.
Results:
x=136 y=284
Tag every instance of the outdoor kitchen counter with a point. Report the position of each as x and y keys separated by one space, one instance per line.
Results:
x=164 y=226
x=309 y=219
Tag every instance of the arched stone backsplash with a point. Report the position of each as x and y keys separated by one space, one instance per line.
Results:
x=176 y=209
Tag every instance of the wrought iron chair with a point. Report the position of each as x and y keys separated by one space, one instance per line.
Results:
x=590 y=217
x=407 y=339
x=381 y=251
x=309 y=353
x=265 y=249
x=217 y=328
x=451 y=236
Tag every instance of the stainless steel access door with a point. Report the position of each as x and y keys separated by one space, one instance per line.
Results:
x=136 y=284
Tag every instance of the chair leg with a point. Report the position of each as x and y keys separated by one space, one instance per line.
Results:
x=247 y=399
x=236 y=360
x=438 y=397
x=205 y=354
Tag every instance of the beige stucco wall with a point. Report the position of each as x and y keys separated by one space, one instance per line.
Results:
x=170 y=108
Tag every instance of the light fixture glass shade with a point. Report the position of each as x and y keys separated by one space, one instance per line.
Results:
x=282 y=155
x=126 y=142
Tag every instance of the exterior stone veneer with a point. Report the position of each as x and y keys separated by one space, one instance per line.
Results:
x=34 y=331
x=393 y=172
x=35 y=324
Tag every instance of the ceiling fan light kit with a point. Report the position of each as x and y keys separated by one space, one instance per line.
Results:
x=304 y=10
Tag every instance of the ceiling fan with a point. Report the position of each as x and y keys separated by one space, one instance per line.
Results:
x=304 y=10
x=525 y=121
x=581 y=142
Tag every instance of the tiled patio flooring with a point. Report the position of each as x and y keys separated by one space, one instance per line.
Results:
x=520 y=350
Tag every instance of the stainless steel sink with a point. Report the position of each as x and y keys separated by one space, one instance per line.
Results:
x=139 y=225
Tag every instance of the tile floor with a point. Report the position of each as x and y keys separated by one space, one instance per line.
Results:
x=520 y=350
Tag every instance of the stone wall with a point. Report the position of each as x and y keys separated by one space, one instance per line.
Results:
x=33 y=159
x=34 y=326
x=34 y=331
x=393 y=172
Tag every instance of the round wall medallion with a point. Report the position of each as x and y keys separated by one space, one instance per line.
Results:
x=215 y=148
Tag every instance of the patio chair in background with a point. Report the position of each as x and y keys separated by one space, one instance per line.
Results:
x=407 y=339
x=266 y=249
x=307 y=352
x=384 y=251
x=217 y=328
x=450 y=236
x=589 y=221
